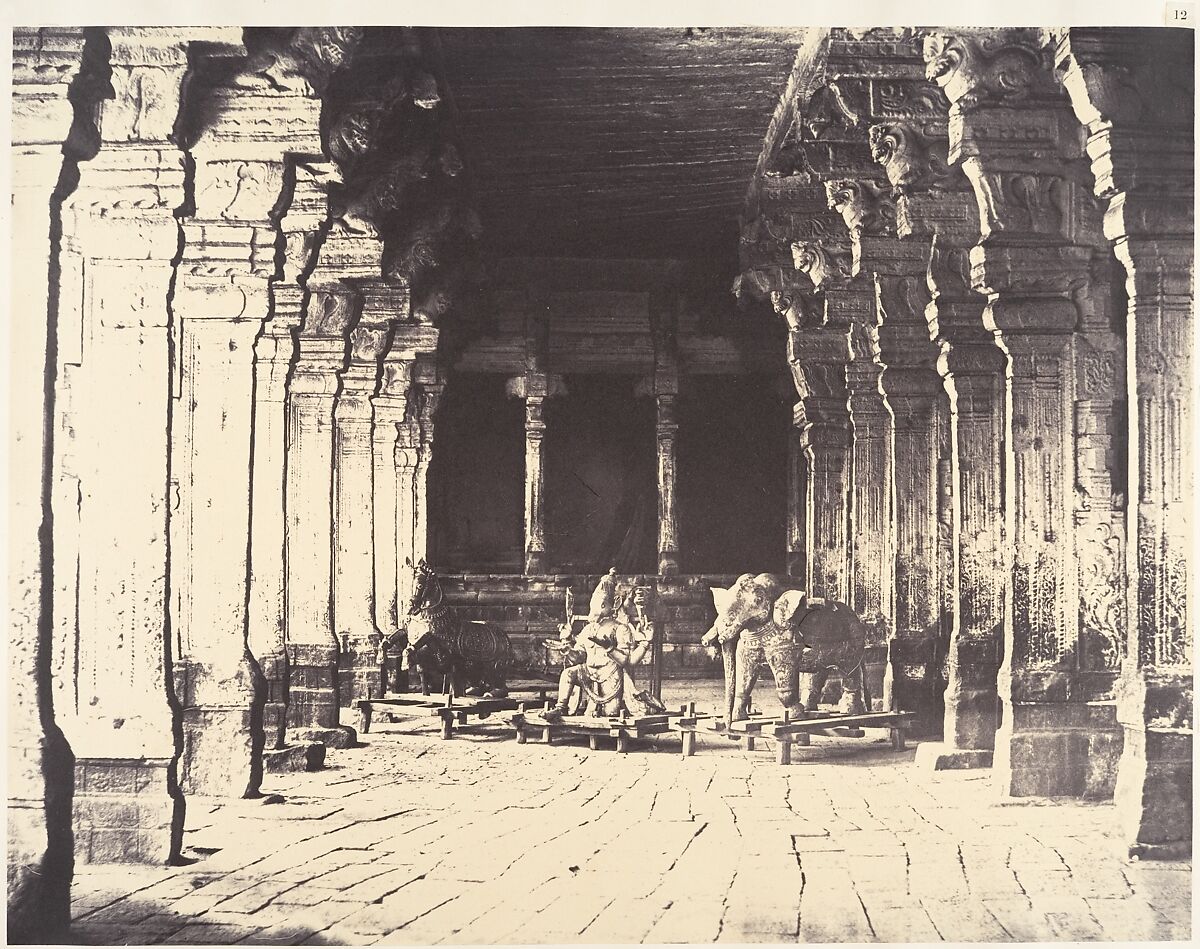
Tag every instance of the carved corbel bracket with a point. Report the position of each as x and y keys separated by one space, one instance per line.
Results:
x=866 y=207
x=797 y=310
x=366 y=205
x=332 y=309
x=430 y=240
x=751 y=285
x=535 y=385
x=984 y=67
x=826 y=267
x=913 y=156
x=355 y=129
x=302 y=59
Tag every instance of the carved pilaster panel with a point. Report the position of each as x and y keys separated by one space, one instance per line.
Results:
x=45 y=62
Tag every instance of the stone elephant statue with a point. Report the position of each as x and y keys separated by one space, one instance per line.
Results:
x=761 y=623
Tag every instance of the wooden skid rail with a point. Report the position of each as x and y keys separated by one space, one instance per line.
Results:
x=786 y=732
x=452 y=709
x=622 y=729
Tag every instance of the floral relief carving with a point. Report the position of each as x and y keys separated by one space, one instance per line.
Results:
x=1101 y=600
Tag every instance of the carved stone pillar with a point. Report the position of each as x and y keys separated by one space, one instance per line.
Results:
x=851 y=303
x=274 y=351
x=407 y=455
x=535 y=388
x=331 y=312
x=353 y=501
x=936 y=211
x=430 y=386
x=666 y=428
x=799 y=502
x=120 y=240
x=872 y=549
x=45 y=61
x=972 y=369
x=818 y=358
x=1133 y=90
x=1015 y=139
x=223 y=301
x=920 y=412
x=916 y=400
x=391 y=407
x=666 y=392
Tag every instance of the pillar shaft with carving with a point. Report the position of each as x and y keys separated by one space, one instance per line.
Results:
x=535 y=388
x=124 y=352
x=666 y=393
x=275 y=350
x=820 y=357
x=39 y=772
x=872 y=548
x=1030 y=260
x=353 y=502
x=1133 y=91
x=224 y=302
x=391 y=409
x=799 y=502
x=331 y=312
x=937 y=212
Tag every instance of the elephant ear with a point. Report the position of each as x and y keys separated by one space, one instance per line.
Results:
x=722 y=599
x=789 y=608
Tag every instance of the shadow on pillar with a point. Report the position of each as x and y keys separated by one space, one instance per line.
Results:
x=41 y=846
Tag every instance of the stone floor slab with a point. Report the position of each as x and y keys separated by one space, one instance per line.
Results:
x=412 y=840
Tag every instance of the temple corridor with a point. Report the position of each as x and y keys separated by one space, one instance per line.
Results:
x=587 y=364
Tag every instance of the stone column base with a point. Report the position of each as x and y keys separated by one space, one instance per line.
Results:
x=360 y=671
x=301 y=757
x=1154 y=792
x=275 y=674
x=222 y=728
x=123 y=812
x=1058 y=749
x=340 y=736
x=938 y=756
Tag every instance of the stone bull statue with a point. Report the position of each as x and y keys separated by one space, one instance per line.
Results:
x=760 y=623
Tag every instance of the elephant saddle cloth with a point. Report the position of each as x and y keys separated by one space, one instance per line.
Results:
x=772 y=646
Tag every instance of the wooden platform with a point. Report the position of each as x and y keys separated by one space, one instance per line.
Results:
x=530 y=722
x=453 y=710
x=799 y=732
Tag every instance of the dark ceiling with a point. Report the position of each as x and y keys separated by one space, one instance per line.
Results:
x=614 y=142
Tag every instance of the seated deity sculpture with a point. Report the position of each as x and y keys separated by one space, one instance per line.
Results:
x=597 y=662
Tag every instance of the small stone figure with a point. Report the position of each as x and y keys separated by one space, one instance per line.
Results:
x=598 y=660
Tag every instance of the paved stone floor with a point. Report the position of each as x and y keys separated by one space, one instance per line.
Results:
x=414 y=840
